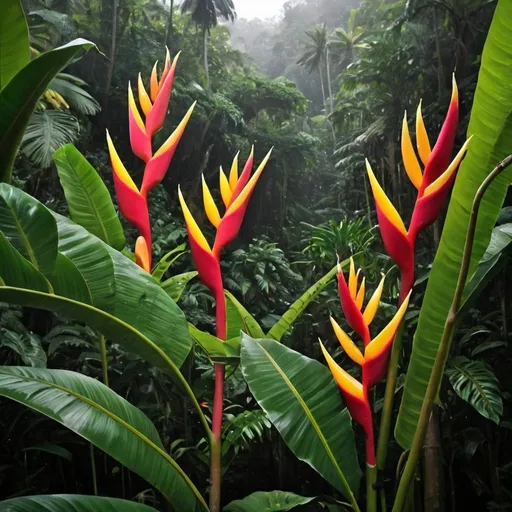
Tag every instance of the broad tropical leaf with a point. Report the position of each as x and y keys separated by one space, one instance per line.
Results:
x=476 y=383
x=89 y=201
x=491 y=127
x=303 y=402
x=91 y=281
x=68 y=502
x=19 y=98
x=273 y=501
x=27 y=346
x=98 y=414
x=47 y=132
x=13 y=41
x=175 y=285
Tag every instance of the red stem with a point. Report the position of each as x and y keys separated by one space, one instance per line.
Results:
x=218 y=403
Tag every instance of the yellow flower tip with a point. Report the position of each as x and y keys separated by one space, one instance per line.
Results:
x=210 y=207
x=452 y=168
x=455 y=90
x=374 y=302
x=351 y=349
x=344 y=380
x=352 y=279
x=118 y=166
x=410 y=161
x=194 y=232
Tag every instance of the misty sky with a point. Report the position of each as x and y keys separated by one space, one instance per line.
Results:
x=258 y=8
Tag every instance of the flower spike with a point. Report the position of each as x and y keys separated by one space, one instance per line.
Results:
x=422 y=142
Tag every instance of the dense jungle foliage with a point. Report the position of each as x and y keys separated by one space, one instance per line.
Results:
x=325 y=84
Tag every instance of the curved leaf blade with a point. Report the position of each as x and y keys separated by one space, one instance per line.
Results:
x=491 y=127
x=89 y=201
x=249 y=323
x=273 y=501
x=98 y=414
x=302 y=401
x=67 y=502
x=13 y=41
x=175 y=285
x=30 y=227
x=19 y=98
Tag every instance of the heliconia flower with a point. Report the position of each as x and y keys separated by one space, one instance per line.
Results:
x=373 y=359
x=433 y=185
x=157 y=166
x=236 y=194
x=142 y=254
x=132 y=204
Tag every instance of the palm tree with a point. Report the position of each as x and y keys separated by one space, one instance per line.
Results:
x=314 y=57
x=205 y=14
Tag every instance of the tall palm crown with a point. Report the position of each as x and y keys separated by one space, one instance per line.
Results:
x=206 y=13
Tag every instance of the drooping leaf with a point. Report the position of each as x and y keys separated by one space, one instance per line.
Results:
x=46 y=132
x=89 y=201
x=303 y=402
x=68 y=502
x=273 y=501
x=98 y=414
x=71 y=89
x=127 y=305
x=298 y=307
x=175 y=285
x=51 y=448
x=15 y=49
x=476 y=383
x=491 y=127
x=19 y=98
x=27 y=346
x=30 y=227
x=218 y=351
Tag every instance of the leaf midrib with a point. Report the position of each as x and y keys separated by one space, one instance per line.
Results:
x=311 y=418
x=91 y=204
x=121 y=422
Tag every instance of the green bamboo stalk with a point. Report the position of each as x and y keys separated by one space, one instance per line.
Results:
x=445 y=344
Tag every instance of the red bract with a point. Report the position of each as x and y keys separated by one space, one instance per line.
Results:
x=373 y=359
x=132 y=201
x=433 y=186
x=236 y=199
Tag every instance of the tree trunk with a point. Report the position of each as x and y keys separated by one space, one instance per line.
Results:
x=323 y=87
x=433 y=493
x=168 y=33
x=111 y=55
x=329 y=86
x=205 y=55
x=440 y=74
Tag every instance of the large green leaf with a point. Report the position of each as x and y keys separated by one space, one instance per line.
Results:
x=491 y=127
x=273 y=501
x=98 y=414
x=166 y=261
x=19 y=98
x=249 y=323
x=298 y=307
x=89 y=201
x=92 y=283
x=71 y=502
x=30 y=227
x=303 y=402
x=476 y=383
x=14 y=44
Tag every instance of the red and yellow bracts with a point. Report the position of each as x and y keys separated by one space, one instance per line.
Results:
x=374 y=356
x=433 y=185
x=132 y=200
x=236 y=192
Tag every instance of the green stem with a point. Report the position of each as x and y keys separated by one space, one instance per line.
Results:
x=93 y=467
x=383 y=505
x=444 y=346
x=389 y=395
x=371 y=493
x=104 y=361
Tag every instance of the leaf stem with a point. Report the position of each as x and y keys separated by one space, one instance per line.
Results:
x=104 y=361
x=444 y=346
x=93 y=468
x=371 y=492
